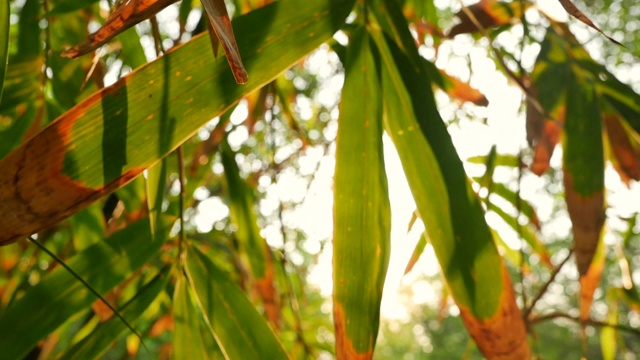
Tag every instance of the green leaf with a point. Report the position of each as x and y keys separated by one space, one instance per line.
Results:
x=4 y=41
x=189 y=342
x=451 y=211
x=103 y=336
x=96 y=147
x=50 y=303
x=239 y=330
x=362 y=219
x=242 y=213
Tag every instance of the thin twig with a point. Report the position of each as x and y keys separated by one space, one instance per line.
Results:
x=561 y=315
x=544 y=288
x=87 y=285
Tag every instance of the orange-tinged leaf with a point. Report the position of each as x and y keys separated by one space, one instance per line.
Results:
x=124 y=17
x=502 y=336
x=489 y=14
x=462 y=91
x=543 y=135
x=573 y=10
x=590 y=281
x=627 y=156
x=221 y=23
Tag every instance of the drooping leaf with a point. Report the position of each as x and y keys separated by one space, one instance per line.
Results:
x=449 y=208
x=584 y=170
x=95 y=148
x=239 y=330
x=575 y=12
x=217 y=12
x=59 y=296
x=609 y=334
x=417 y=251
x=95 y=344
x=362 y=219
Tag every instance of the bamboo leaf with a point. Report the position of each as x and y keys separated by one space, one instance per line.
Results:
x=575 y=12
x=591 y=280
x=228 y=313
x=362 y=219
x=221 y=24
x=124 y=17
x=95 y=344
x=189 y=343
x=4 y=41
x=115 y=134
x=59 y=296
x=584 y=170
x=450 y=210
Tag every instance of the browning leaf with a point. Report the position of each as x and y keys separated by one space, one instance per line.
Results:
x=502 y=336
x=575 y=12
x=217 y=12
x=590 y=281
x=489 y=14
x=587 y=216
x=124 y=17
x=626 y=155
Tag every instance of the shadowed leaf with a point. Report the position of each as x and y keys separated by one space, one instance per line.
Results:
x=4 y=41
x=489 y=14
x=626 y=155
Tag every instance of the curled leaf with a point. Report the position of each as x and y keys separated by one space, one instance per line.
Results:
x=575 y=12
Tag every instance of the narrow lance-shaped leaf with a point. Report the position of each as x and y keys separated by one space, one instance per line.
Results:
x=452 y=213
x=124 y=17
x=114 y=135
x=4 y=41
x=591 y=280
x=243 y=216
x=239 y=330
x=362 y=219
x=584 y=170
x=219 y=20
x=189 y=343
x=574 y=11
x=624 y=148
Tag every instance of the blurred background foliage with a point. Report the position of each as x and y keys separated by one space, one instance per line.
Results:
x=262 y=171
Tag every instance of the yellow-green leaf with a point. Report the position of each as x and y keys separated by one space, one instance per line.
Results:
x=362 y=218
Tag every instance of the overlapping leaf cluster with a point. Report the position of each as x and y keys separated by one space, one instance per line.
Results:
x=72 y=155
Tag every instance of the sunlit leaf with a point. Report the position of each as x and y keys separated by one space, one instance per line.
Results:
x=450 y=210
x=94 y=148
x=362 y=219
x=240 y=331
x=189 y=342
x=609 y=334
x=417 y=251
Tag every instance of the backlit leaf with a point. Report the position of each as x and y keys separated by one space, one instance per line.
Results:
x=362 y=218
x=94 y=148
x=4 y=41
x=575 y=12
x=489 y=14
